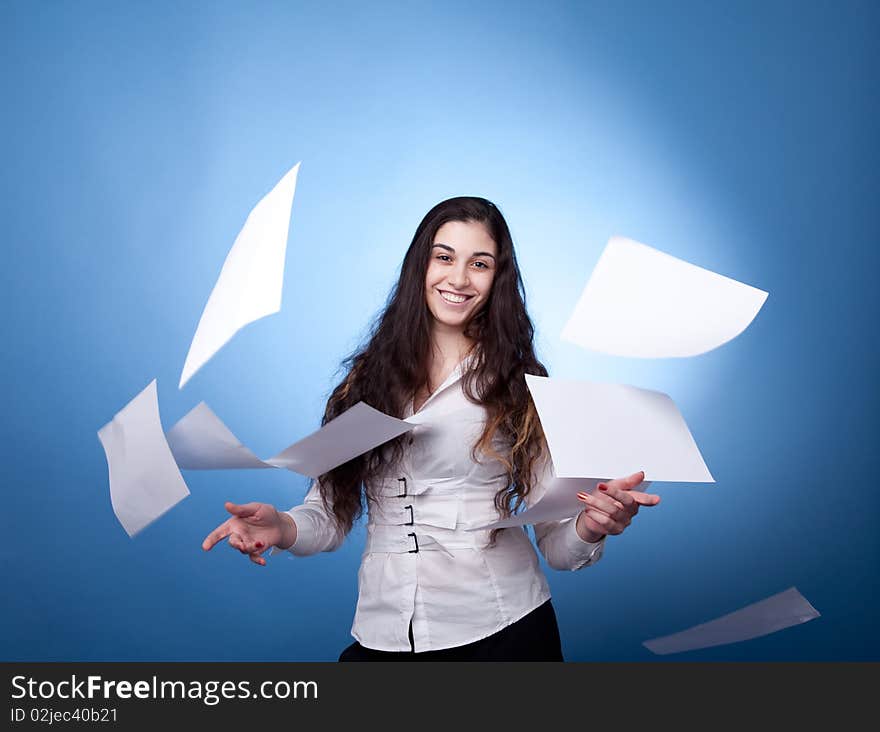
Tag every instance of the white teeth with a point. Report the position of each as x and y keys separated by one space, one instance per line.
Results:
x=453 y=298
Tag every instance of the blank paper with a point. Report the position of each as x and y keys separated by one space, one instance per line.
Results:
x=761 y=618
x=200 y=441
x=250 y=283
x=607 y=431
x=641 y=302
x=144 y=479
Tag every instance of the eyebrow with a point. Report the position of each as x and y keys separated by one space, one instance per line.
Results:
x=475 y=254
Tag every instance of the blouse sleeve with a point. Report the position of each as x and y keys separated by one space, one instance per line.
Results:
x=316 y=529
x=559 y=541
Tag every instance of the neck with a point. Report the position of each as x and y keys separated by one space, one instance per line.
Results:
x=449 y=344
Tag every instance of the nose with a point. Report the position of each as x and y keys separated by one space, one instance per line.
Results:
x=459 y=278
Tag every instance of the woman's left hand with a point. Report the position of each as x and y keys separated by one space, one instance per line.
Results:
x=612 y=507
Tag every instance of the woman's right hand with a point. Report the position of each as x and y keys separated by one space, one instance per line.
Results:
x=252 y=529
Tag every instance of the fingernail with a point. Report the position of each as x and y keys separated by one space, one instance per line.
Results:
x=582 y=496
x=259 y=544
x=603 y=487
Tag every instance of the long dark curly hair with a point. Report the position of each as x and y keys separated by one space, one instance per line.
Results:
x=394 y=364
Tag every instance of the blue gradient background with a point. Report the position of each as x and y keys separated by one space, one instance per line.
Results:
x=741 y=137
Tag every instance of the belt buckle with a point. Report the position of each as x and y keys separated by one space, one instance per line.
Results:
x=416 y=540
x=402 y=495
x=411 y=517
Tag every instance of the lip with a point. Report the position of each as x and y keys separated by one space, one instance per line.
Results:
x=455 y=304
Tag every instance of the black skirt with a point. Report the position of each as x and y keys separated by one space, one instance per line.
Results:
x=534 y=637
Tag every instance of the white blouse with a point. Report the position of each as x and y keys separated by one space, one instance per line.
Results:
x=420 y=563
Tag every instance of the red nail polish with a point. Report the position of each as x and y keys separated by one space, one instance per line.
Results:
x=259 y=544
x=603 y=487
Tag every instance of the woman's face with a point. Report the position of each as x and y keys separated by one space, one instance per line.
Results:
x=460 y=272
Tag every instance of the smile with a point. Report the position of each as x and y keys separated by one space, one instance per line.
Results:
x=454 y=299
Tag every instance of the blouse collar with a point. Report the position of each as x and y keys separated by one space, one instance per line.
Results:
x=454 y=376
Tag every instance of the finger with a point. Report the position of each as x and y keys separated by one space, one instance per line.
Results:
x=603 y=503
x=254 y=547
x=621 y=496
x=236 y=542
x=218 y=534
x=257 y=559
x=244 y=510
x=629 y=482
x=645 y=499
x=608 y=524
x=593 y=526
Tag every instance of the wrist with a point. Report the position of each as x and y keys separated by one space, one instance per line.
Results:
x=591 y=537
x=288 y=530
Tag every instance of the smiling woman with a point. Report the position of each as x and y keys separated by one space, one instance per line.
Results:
x=454 y=342
x=461 y=270
x=458 y=283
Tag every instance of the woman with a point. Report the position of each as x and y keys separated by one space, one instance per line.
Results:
x=451 y=347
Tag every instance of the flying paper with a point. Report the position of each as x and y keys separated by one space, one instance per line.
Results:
x=643 y=303
x=761 y=618
x=249 y=286
x=610 y=431
x=144 y=479
x=559 y=502
x=200 y=441
x=352 y=433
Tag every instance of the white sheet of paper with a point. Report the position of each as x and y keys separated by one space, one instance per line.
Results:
x=761 y=618
x=559 y=502
x=144 y=479
x=250 y=283
x=352 y=433
x=641 y=302
x=610 y=431
x=200 y=441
